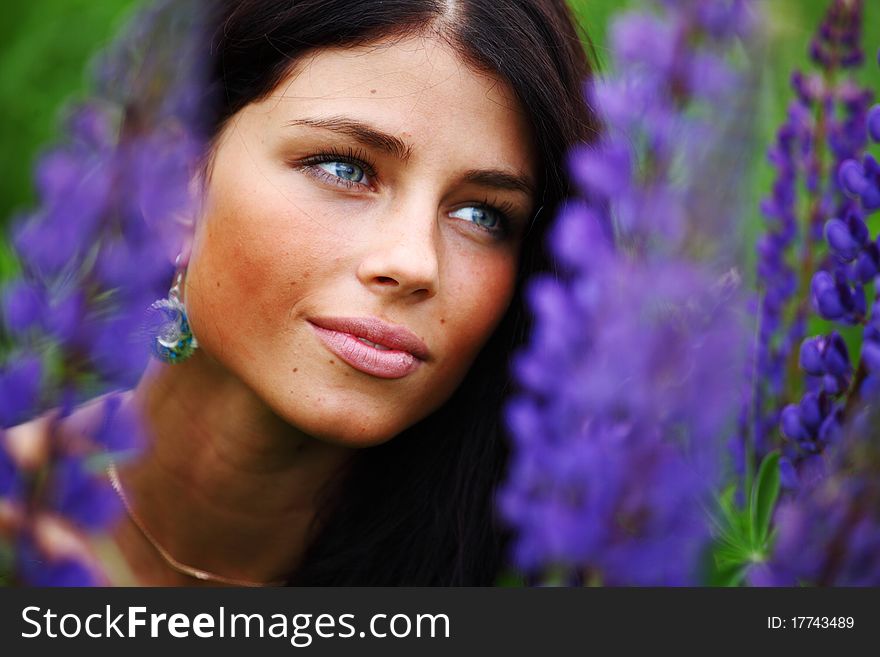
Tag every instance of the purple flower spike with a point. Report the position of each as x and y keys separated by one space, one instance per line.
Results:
x=94 y=255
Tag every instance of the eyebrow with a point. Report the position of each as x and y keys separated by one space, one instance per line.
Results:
x=370 y=136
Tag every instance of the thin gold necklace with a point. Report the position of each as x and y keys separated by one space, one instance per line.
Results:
x=182 y=568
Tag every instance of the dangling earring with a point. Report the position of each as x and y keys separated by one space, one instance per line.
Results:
x=172 y=340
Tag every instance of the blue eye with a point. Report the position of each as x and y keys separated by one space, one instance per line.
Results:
x=484 y=217
x=346 y=170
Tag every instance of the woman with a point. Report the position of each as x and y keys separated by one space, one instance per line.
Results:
x=376 y=192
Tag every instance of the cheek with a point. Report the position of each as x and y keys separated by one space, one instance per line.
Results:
x=256 y=268
x=479 y=297
x=242 y=264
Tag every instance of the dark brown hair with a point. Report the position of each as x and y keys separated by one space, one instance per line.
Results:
x=420 y=509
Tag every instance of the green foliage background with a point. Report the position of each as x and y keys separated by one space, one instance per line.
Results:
x=46 y=46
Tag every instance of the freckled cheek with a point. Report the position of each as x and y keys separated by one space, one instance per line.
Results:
x=229 y=274
x=482 y=295
x=252 y=264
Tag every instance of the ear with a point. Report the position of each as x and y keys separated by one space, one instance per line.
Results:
x=177 y=238
x=182 y=225
x=185 y=248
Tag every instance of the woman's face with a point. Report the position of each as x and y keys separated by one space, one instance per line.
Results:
x=378 y=192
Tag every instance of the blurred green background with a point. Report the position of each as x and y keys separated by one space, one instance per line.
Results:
x=46 y=47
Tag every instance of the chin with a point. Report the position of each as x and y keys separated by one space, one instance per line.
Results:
x=350 y=427
x=356 y=437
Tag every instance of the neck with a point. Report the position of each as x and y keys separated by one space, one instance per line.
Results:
x=225 y=485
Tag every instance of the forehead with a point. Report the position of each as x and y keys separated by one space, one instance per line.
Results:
x=417 y=88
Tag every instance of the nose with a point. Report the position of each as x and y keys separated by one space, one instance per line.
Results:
x=402 y=259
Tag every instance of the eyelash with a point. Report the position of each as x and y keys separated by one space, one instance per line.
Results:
x=359 y=158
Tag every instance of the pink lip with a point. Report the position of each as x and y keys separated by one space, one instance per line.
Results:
x=404 y=353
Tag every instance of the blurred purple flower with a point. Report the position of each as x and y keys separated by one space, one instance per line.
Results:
x=626 y=398
x=20 y=383
x=828 y=533
x=122 y=431
x=83 y=495
x=826 y=122
x=116 y=198
x=651 y=412
x=36 y=569
x=874 y=123
x=23 y=306
x=646 y=40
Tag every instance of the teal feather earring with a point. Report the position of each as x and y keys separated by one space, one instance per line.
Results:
x=172 y=340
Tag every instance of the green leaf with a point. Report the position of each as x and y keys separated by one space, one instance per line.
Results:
x=730 y=524
x=722 y=565
x=511 y=579
x=726 y=502
x=763 y=499
x=731 y=575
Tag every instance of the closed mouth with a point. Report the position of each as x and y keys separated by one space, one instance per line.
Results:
x=377 y=360
x=376 y=334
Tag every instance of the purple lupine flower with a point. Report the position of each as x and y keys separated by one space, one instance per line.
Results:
x=95 y=255
x=842 y=298
x=846 y=237
x=862 y=180
x=828 y=534
x=83 y=494
x=779 y=279
x=874 y=123
x=122 y=430
x=20 y=385
x=606 y=424
x=828 y=528
x=627 y=377
x=832 y=108
x=37 y=569
x=838 y=40
x=23 y=306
